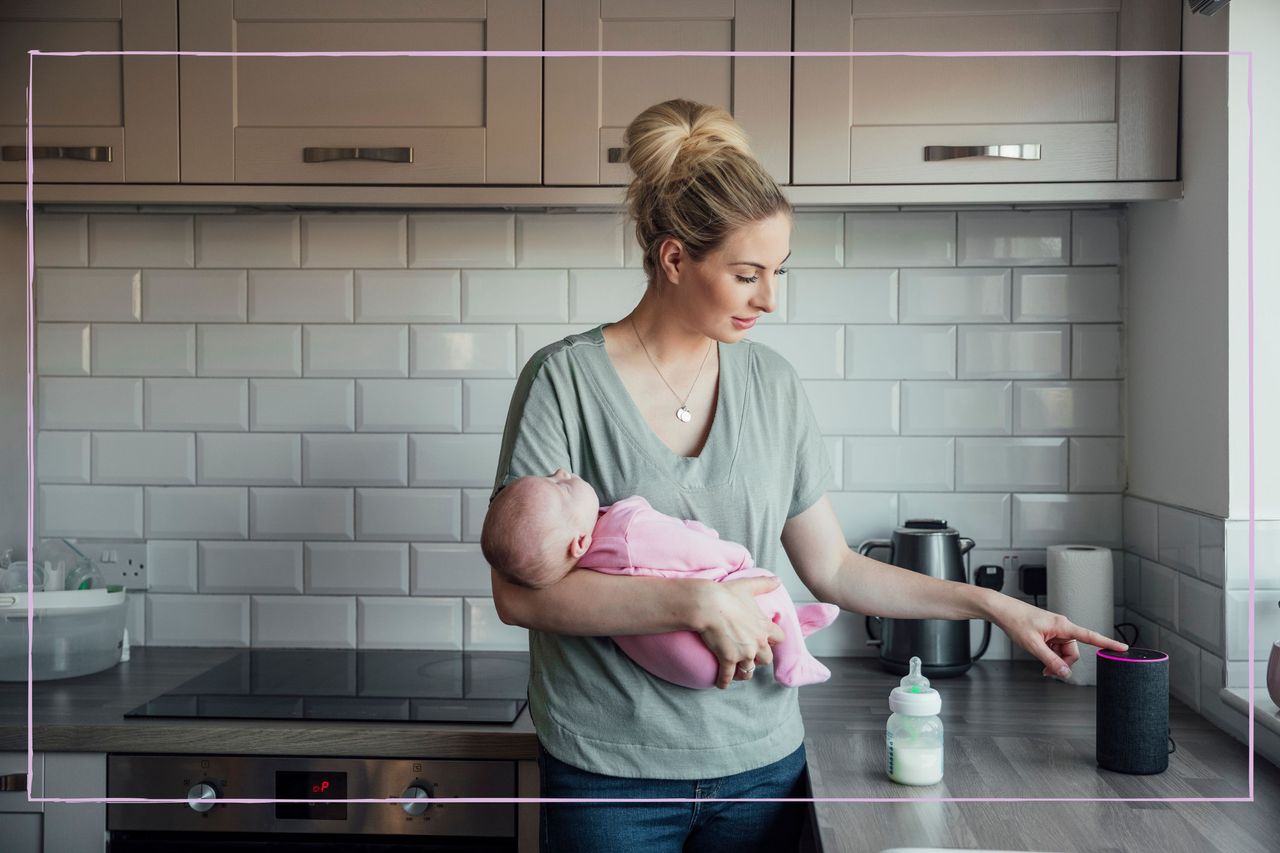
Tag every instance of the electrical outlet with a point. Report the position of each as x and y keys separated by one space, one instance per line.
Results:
x=121 y=563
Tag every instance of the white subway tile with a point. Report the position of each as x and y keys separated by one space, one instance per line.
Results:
x=1095 y=237
x=1097 y=464
x=892 y=464
x=62 y=457
x=1091 y=407
x=1132 y=579
x=817 y=240
x=410 y=405
x=304 y=621
x=956 y=408
x=900 y=239
x=1184 y=668
x=251 y=567
x=1200 y=609
x=353 y=240
x=835 y=452
x=253 y=240
x=955 y=296
x=197 y=404
x=197 y=620
x=1077 y=295
x=1213 y=551
x=62 y=349
x=89 y=403
x=1043 y=520
x=1014 y=352
x=453 y=460
x=1159 y=599
x=90 y=295
x=984 y=518
x=1266 y=623
x=843 y=296
x=854 y=408
x=355 y=460
x=816 y=352
x=515 y=296
x=462 y=240
x=601 y=296
x=1014 y=238
x=197 y=513
x=234 y=350
x=194 y=296
x=144 y=458
x=900 y=352
x=430 y=515
x=485 y=403
x=235 y=459
x=172 y=566
x=1097 y=352
x=569 y=240
x=150 y=349
x=140 y=240
x=457 y=351
x=408 y=296
x=135 y=619
x=865 y=515
x=475 y=506
x=364 y=350
x=300 y=296
x=1011 y=464
x=104 y=512
x=293 y=405
x=61 y=239
x=1265 y=557
x=293 y=513
x=486 y=632
x=409 y=623
x=1178 y=539
x=1140 y=526
x=447 y=569
x=357 y=568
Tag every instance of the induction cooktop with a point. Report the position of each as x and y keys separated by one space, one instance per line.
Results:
x=372 y=685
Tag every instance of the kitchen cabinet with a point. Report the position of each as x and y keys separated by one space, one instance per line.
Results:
x=591 y=100
x=360 y=120
x=20 y=821
x=28 y=827
x=82 y=106
x=871 y=119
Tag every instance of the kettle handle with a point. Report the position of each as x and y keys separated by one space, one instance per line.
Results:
x=965 y=549
x=872 y=544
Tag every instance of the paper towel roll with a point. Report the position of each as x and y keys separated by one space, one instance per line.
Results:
x=1079 y=585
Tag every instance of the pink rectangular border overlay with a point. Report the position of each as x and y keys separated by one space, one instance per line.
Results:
x=598 y=53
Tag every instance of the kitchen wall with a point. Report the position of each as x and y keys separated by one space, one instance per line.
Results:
x=301 y=412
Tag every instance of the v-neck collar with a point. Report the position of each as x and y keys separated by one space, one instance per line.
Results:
x=717 y=451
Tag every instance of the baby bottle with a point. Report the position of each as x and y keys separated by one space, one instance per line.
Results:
x=913 y=735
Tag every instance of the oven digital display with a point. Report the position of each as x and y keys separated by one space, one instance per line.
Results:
x=317 y=789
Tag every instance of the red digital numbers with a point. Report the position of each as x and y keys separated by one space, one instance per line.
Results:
x=322 y=788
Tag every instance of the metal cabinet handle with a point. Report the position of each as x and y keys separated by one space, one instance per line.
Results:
x=95 y=153
x=12 y=782
x=615 y=155
x=1030 y=151
x=325 y=155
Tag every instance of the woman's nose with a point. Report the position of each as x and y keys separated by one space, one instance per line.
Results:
x=766 y=296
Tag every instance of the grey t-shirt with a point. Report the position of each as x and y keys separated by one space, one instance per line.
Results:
x=763 y=462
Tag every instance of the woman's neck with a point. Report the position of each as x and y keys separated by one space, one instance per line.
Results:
x=668 y=341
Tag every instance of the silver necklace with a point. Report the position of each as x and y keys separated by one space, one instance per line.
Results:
x=682 y=413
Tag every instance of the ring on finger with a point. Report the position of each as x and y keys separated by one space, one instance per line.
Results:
x=746 y=670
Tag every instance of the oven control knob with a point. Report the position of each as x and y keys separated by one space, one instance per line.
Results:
x=421 y=800
x=201 y=797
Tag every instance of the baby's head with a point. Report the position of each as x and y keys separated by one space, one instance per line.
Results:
x=538 y=527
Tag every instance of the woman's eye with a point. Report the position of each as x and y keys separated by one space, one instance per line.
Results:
x=756 y=278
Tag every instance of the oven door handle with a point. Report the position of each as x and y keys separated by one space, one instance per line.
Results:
x=13 y=782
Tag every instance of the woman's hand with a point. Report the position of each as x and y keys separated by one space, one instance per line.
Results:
x=1050 y=637
x=736 y=630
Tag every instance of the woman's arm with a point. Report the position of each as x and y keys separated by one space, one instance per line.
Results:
x=837 y=574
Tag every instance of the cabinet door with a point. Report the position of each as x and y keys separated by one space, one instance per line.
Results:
x=82 y=105
x=871 y=119
x=411 y=119
x=591 y=100
x=20 y=820
x=75 y=827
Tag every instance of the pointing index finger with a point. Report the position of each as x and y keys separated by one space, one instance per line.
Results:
x=1093 y=638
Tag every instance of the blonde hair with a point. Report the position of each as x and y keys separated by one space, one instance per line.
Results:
x=696 y=180
x=520 y=539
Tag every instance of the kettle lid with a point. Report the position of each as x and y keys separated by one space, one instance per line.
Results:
x=921 y=526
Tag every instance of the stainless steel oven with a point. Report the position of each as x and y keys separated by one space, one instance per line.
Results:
x=312 y=816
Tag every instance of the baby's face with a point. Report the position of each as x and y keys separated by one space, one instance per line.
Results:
x=577 y=500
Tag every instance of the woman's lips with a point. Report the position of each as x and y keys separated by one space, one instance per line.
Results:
x=744 y=324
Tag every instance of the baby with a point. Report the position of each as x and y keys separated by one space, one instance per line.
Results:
x=539 y=528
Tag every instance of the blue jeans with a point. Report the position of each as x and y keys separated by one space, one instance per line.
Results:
x=695 y=827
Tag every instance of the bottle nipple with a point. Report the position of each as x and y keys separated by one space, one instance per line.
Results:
x=913 y=681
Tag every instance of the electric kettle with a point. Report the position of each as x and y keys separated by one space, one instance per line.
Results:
x=930 y=547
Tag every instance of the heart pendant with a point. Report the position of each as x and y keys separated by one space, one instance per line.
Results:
x=683 y=414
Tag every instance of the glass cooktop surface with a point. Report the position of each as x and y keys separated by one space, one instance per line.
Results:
x=373 y=685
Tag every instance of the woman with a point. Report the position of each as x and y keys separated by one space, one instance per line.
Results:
x=673 y=404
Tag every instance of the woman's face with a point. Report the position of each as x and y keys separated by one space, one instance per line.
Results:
x=736 y=283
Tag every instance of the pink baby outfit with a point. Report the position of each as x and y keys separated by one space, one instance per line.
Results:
x=632 y=538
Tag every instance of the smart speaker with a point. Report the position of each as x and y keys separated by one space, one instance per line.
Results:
x=1133 y=711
